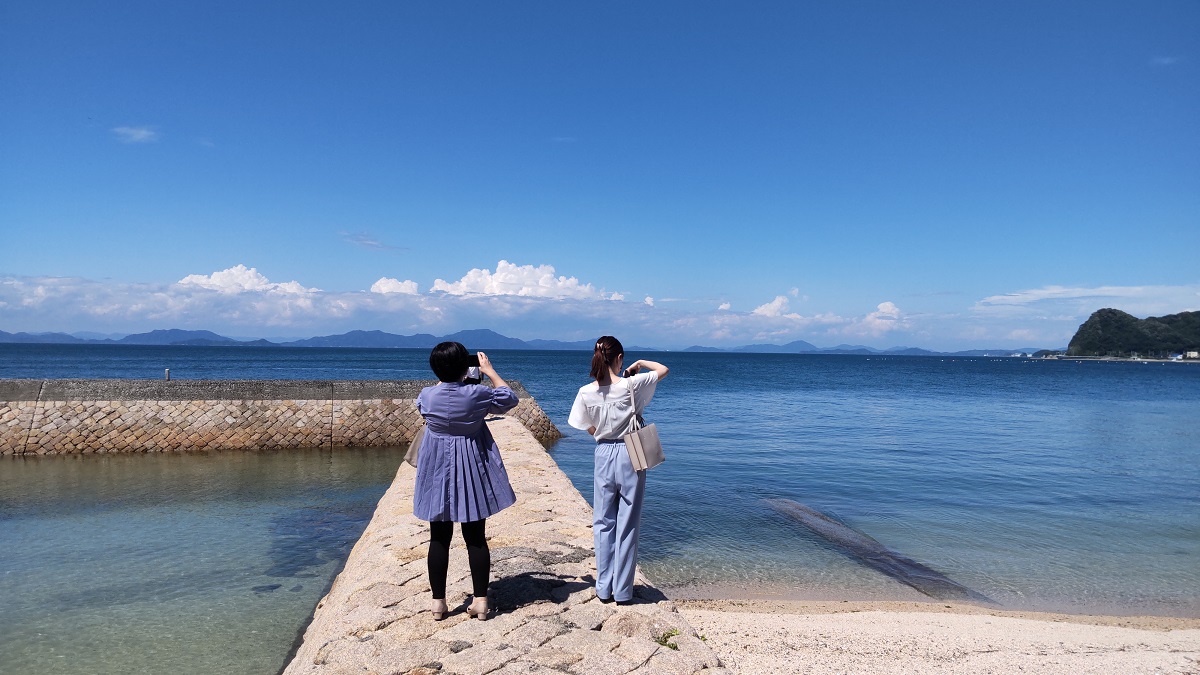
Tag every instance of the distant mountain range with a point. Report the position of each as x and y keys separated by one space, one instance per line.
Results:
x=474 y=339
x=802 y=347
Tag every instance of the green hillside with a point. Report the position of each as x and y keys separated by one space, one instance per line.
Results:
x=1111 y=332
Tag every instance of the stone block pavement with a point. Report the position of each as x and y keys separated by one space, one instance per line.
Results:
x=546 y=617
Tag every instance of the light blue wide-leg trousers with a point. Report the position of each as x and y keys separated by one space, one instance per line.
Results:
x=616 y=516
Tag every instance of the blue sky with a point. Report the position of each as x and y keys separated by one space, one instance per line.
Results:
x=939 y=174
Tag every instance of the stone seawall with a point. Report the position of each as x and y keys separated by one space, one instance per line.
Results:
x=51 y=417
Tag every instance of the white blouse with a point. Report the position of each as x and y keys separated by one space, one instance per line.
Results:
x=607 y=408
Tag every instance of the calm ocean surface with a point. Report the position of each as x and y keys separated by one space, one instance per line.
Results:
x=1041 y=484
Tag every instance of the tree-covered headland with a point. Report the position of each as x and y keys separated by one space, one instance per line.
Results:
x=1111 y=332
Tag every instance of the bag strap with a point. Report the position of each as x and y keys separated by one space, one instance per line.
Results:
x=639 y=422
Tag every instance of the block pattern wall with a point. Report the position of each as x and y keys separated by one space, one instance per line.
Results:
x=95 y=416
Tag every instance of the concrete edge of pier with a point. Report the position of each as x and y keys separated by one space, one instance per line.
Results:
x=547 y=619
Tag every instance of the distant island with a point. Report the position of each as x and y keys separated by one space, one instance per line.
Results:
x=475 y=339
x=1111 y=332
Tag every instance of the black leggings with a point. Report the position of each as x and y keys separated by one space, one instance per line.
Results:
x=478 y=555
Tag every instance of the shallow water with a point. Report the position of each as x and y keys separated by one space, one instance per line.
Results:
x=181 y=563
x=1041 y=484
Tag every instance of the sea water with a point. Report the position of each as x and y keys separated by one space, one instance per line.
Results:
x=1048 y=485
x=174 y=563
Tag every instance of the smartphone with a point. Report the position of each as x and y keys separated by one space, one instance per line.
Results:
x=473 y=375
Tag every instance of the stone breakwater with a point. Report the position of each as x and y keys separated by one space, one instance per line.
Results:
x=51 y=417
x=547 y=618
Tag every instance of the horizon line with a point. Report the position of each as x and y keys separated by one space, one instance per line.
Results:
x=289 y=341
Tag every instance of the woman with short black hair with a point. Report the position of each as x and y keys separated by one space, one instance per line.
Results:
x=460 y=475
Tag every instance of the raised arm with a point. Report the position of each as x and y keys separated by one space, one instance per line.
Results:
x=485 y=367
x=643 y=364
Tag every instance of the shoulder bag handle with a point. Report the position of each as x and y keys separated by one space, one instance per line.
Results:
x=639 y=422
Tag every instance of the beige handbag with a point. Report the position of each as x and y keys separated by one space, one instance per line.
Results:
x=415 y=445
x=645 y=450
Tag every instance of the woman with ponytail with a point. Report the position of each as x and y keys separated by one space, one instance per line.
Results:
x=605 y=409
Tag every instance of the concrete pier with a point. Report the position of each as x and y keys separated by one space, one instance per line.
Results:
x=547 y=618
x=52 y=417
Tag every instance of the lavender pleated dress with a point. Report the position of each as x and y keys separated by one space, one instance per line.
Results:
x=460 y=476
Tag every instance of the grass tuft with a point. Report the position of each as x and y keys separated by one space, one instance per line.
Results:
x=665 y=639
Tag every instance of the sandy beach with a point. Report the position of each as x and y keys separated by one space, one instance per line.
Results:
x=764 y=636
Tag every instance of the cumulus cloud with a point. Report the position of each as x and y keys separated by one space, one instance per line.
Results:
x=135 y=134
x=242 y=279
x=776 y=307
x=516 y=299
x=389 y=285
x=519 y=280
x=774 y=320
x=886 y=318
x=771 y=322
x=534 y=301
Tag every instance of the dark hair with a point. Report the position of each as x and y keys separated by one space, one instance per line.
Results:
x=449 y=361
x=608 y=348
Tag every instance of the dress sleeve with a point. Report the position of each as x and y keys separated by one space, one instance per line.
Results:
x=503 y=400
x=421 y=406
x=579 y=417
x=643 y=385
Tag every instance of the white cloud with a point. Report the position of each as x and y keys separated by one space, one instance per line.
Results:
x=1025 y=336
x=242 y=279
x=794 y=292
x=242 y=301
x=1165 y=60
x=886 y=318
x=776 y=307
x=774 y=321
x=1080 y=301
x=389 y=285
x=519 y=280
x=772 y=324
x=368 y=240
x=534 y=301
x=136 y=134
